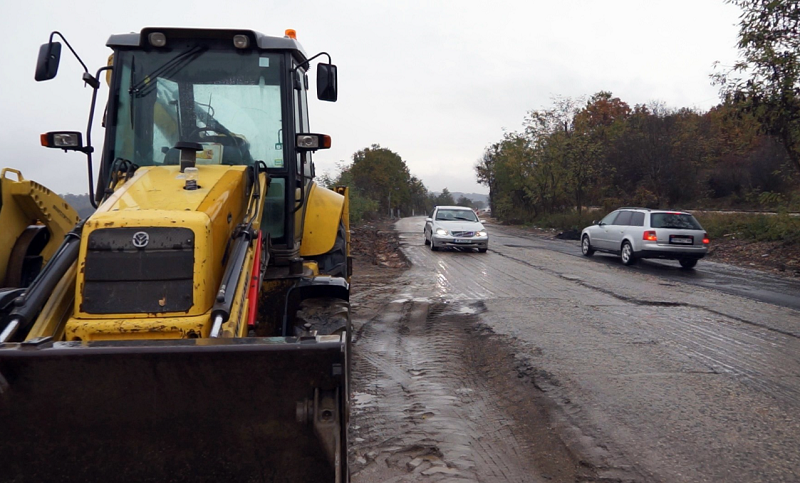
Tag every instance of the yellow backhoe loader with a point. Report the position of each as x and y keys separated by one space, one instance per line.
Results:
x=196 y=326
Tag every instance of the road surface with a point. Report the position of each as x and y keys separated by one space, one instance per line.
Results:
x=529 y=364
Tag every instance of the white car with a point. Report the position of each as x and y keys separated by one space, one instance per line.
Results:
x=455 y=227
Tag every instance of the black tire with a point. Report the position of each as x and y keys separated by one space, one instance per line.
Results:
x=482 y=250
x=586 y=247
x=327 y=315
x=627 y=254
x=425 y=235
x=433 y=246
x=688 y=262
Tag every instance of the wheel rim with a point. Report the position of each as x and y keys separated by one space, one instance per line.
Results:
x=585 y=245
x=626 y=252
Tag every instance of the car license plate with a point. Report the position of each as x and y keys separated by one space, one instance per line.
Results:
x=681 y=239
x=459 y=240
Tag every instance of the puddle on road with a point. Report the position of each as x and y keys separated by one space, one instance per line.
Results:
x=363 y=400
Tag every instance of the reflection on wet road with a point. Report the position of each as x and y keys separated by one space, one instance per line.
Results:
x=490 y=367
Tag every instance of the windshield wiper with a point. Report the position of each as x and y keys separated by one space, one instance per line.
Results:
x=148 y=83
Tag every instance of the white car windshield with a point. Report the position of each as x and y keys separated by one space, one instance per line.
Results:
x=456 y=215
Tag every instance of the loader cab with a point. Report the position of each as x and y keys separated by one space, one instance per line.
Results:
x=239 y=95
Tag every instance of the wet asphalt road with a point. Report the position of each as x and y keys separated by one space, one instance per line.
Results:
x=529 y=363
x=750 y=284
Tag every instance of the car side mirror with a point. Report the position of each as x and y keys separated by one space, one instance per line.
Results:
x=594 y=222
x=428 y=219
x=327 y=86
x=47 y=63
x=480 y=221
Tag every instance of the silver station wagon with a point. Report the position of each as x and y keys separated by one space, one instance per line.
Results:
x=634 y=233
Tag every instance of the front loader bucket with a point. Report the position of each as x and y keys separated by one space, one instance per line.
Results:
x=254 y=409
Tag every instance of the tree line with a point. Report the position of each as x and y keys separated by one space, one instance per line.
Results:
x=600 y=151
x=381 y=184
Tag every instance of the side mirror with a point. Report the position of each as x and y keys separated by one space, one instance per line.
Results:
x=327 y=89
x=47 y=63
x=428 y=219
x=594 y=222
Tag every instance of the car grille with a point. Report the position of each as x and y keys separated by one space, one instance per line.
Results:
x=136 y=270
x=464 y=233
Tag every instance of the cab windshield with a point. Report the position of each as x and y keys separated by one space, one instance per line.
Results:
x=229 y=102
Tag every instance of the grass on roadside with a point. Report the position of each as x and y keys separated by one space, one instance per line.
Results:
x=778 y=227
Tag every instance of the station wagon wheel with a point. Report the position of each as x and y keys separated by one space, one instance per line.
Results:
x=425 y=234
x=433 y=245
x=628 y=258
x=688 y=262
x=586 y=246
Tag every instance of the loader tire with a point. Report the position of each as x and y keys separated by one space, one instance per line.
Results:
x=327 y=315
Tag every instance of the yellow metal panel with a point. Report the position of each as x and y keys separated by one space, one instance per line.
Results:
x=236 y=326
x=124 y=328
x=323 y=215
x=207 y=266
x=154 y=197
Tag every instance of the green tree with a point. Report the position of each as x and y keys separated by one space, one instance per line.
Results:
x=380 y=181
x=766 y=79
x=464 y=201
x=445 y=198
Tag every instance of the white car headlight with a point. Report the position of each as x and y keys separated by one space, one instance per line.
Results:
x=441 y=231
x=481 y=233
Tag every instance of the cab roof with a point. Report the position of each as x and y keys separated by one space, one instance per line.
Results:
x=257 y=39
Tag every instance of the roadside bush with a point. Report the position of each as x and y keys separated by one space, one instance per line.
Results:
x=779 y=227
x=362 y=208
x=569 y=220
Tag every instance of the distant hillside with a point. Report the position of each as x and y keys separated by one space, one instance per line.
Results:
x=81 y=204
x=471 y=196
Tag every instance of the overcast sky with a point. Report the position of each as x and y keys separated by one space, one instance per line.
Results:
x=434 y=81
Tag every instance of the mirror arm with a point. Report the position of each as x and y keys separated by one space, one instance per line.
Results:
x=85 y=69
x=306 y=62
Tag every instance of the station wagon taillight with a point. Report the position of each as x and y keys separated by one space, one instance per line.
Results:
x=706 y=240
x=650 y=235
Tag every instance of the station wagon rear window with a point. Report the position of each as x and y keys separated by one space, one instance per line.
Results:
x=680 y=221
